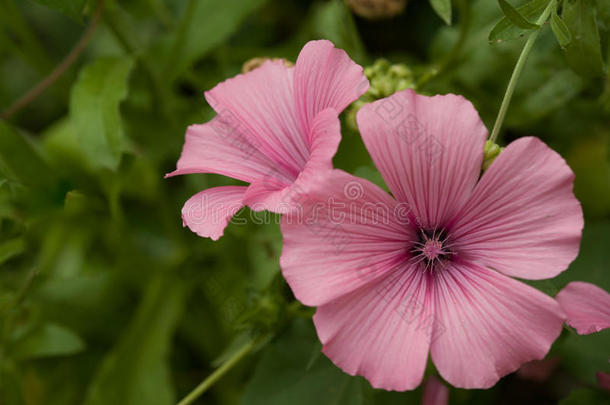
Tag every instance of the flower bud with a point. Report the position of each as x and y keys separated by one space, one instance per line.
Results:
x=257 y=62
x=490 y=153
x=377 y=9
x=385 y=79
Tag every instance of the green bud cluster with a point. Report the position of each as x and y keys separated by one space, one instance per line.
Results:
x=385 y=79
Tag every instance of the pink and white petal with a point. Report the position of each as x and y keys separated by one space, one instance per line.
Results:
x=325 y=77
x=260 y=105
x=428 y=149
x=488 y=325
x=587 y=307
x=381 y=331
x=434 y=392
x=523 y=218
x=208 y=212
x=272 y=193
x=345 y=233
x=214 y=147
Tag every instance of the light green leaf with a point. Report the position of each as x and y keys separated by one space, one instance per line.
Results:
x=292 y=371
x=48 y=340
x=506 y=29
x=443 y=9
x=136 y=372
x=71 y=8
x=206 y=24
x=584 y=53
x=94 y=109
x=515 y=17
x=561 y=31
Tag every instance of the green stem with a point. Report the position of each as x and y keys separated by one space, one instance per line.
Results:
x=517 y=71
x=216 y=375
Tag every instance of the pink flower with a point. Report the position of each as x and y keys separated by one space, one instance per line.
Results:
x=428 y=269
x=587 y=307
x=434 y=392
x=276 y=126
x=603 y=379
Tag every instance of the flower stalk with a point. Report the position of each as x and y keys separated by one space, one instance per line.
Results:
x=219 y=373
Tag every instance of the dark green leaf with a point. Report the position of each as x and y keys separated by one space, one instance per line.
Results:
x=71 y=8
x=11 y=248
x=136 y=371
x=443 y=9
x=561 y=31
x=585 y=355
x=19 y=155
x=334 y=21
x=206 y=24
x=293 y=371
x=506 y=29
x=515 y=17
x=94 y=110
x=584 y=53
x=48 y=340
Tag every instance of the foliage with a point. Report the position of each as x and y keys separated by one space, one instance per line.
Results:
x=106 y=299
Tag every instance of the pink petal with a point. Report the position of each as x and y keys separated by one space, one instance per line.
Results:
x=435 y=392
x=346 y=233
x=381 y=331
x=271 y=193
x=523 y=218
x=324 y=77
x=208 y=212
x=428 y=149
x=587 y=307
x=539 y=370
x=217 y=147
x=603 y=379
x=261 y=104
x=491 y=325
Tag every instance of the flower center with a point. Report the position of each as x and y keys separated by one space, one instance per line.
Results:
x=432 y=249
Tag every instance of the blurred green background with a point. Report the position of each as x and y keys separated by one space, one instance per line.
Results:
x=106 y=299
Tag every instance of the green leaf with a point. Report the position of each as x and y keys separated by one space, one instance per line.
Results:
x=11 y=248
x=48 y=340
x=585 y=355
x=205 y=25
x=590 y=161
x=515 y=17
x=372 y=175
x=20 y=156
x=584 y=53
x=506 y=29
x=136 y=372
x=443 y=9
x=71 y=8
x=94 y=109
x=293 y=371
x=561 y=31
x=334 y=21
